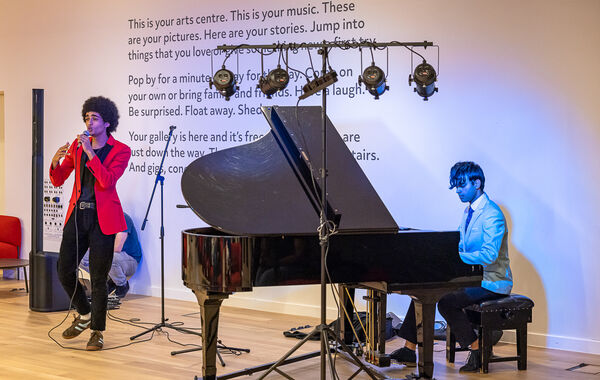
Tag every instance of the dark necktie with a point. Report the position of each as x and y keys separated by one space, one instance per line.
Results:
x=469 y=217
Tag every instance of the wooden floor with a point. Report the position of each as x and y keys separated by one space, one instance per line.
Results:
x=27 y=352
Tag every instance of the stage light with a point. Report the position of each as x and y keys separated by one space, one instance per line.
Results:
x=374 y=79
x=276 y=80
x=224 y=82
x=424 y=78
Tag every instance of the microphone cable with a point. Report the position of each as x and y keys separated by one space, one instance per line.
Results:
x=76 y=280
x=76 y=277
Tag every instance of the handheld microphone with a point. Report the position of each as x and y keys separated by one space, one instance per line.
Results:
x=171 y=128
x=84 y=133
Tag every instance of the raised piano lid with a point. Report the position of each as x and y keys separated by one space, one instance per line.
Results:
x=264 y=187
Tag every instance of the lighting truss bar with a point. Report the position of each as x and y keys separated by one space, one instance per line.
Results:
x=325 y=44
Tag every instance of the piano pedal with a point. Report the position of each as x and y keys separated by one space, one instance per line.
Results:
x=358 y=350
x=414 y=376
x=377 y=358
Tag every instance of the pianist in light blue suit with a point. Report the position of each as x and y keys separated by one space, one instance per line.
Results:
x=483 y=241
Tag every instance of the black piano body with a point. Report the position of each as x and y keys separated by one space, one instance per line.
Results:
x=262 y=201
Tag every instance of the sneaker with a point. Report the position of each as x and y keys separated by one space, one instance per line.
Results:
x=110 y=286
x=121 y=291
x=405 y=356
x=76 y=327
x=473 y=363
x=96 y=341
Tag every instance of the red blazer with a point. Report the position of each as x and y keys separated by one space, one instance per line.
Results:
x=108 y=205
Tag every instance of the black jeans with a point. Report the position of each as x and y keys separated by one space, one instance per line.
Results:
x=101 y=254
x=451 y=307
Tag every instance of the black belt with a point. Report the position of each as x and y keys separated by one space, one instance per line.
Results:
x=84 y=205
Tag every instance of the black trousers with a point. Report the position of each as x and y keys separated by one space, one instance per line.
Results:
x=75 y=242
x=451 y=307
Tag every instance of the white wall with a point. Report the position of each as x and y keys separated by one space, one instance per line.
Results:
x=518 y=94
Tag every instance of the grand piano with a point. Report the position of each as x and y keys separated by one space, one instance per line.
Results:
x=261 y=201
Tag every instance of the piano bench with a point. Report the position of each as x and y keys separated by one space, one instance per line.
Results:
x=512 y=312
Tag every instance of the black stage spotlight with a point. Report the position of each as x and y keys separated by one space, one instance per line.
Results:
x=424 y=78
x=374 y=79
x=276 y=80
x=224 y=82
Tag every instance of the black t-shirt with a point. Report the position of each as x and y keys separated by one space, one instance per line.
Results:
x=87 y=178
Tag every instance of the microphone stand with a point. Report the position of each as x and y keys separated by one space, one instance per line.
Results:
x=161 y=179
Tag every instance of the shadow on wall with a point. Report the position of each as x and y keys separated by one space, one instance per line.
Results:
x=140 y=280
x=527 y=281
x=547 y=261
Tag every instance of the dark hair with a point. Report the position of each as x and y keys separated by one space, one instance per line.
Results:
x=106 y=108
x=461 y=171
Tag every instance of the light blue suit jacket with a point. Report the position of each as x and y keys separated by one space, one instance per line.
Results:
x=485 y=242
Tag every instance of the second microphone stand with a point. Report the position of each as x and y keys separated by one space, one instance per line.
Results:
x=163 y=320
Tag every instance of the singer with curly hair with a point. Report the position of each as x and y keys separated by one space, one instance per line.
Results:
x=94 y=215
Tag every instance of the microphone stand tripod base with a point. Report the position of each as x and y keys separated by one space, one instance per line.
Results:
x=167 y=325
x=327 y=335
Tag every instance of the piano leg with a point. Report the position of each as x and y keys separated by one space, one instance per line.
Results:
x=384 y=360
x=376 y=321
x=210 y=304
x=425 y=318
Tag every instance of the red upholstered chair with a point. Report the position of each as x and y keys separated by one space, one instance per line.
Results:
x=10 y=238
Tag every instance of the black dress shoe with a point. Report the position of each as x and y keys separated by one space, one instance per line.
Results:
x=473 y=362
x=405 y=356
